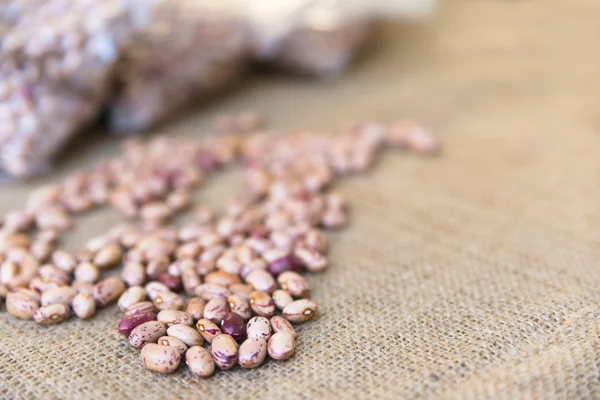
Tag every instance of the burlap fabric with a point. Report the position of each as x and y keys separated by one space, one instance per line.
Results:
x=474 y=275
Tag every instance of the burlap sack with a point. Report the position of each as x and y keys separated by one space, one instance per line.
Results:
x=474 y=275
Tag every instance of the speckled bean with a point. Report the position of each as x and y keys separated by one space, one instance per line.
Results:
x=161 y=359
x=86 y=271
x=153 y=289
x=109 y=256
x=132 y=295
x=130 y=322
x=280 y=324
x=208 y=329
x=52 y=314
x=134 y=274
x=148 y=332
x=209 y=291
x=261 y=280
x=262 y=304
x=174 y=317
x=32 y=294
x=258 y=327
x=191 y=280
x=294 y=284
x=240 y=306
x=141 y=307
x=224 y=350
x=216 y=309
x=252 y=352
x=173 y=342
x=222 y=278
x=282 y=299
x=21 y=306
x=281 y=346
x=60 y=295
x=108 y=290
x=300 y=311
x=242 y=290
x=199 y=361
x=168 y=301
x=187 y=334
x=195 y=308
x=64 y=261
x=84 y=305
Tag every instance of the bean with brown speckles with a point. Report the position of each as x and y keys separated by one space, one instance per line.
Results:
x=195 y=308
x=142 y=306
x=252 y=352
x=240 y=306
x=174 y=317
x=134 y=274
x=84 y=305
x=242 y=290
x=282 y=299
x=224 y=350
x=294 y=284
x=209 y=291
x=155 y=288
x=52 y=314
x=159 y=358
x=60 y=295
x=261 y=281
x=187 y=334
x=168 y=301
x=199 y=361
x=133 y=295
x=216 y=309
x=222 y=278
x=130 y=322
x=208 y=329
x=148 y=332
x=21 y=306
x=173 y=342
x=280 y=324
x=262 y=304
x=258 y=327
x=108 y=290
x=281 y=345
x=109 y=256
x=300 y=311
x=191 y=280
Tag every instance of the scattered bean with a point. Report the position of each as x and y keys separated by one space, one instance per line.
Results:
x=199 y=361
x=161 y=359
x=281 y=345
x=259 y=327
x=148 y=332
x=300 y=311
x=224 y=350
x=187 y=334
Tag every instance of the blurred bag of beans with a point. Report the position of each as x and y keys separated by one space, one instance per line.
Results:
x=63 y=62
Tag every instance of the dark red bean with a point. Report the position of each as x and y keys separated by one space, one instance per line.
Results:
x=234 y=325
x=128 y=323
x=172 y=282
x=287 y=263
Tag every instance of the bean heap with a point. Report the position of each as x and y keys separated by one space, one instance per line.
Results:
x=232 y=280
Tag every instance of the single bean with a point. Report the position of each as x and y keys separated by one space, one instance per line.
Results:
x=155 y=288
x=53 y=273
x=208 y=329
x=168 y=301
x=195 y=308
x=240 y=306
x=283 y=264
x=294 y=283
x=252 y=352
x=134 y=273
x=129 y=322
x=161 y=359
x=224 y=350
x=21 y=306
x=199 y=361
x=173 y=342
x=282 y=299
x=52 y=314
x=262 y=304
x=86 y=271
x=316 y=240
x=173 y=282
x=280 y=324
x=258 y=264
x=259 y=327
x=209 y=291
x=131 y=296
x=141 y=307
x=60 y=295
x=32 y=294
x=234 y=325
x=108 y=290
x=261 y=281
x=241 y=289
x=173 y=317
x=148 y=332
x=312 y=260
x=300 y=311
x=84 y=305
x=187 y=334
x=281 y=345
x=83 y=287
x=222 y=278
x=64 y=261
x=216 y=309
x=156 y=267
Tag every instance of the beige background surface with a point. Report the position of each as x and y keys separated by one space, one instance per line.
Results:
x=469 y=276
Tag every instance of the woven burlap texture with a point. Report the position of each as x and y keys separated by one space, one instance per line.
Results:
x=472 y=275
